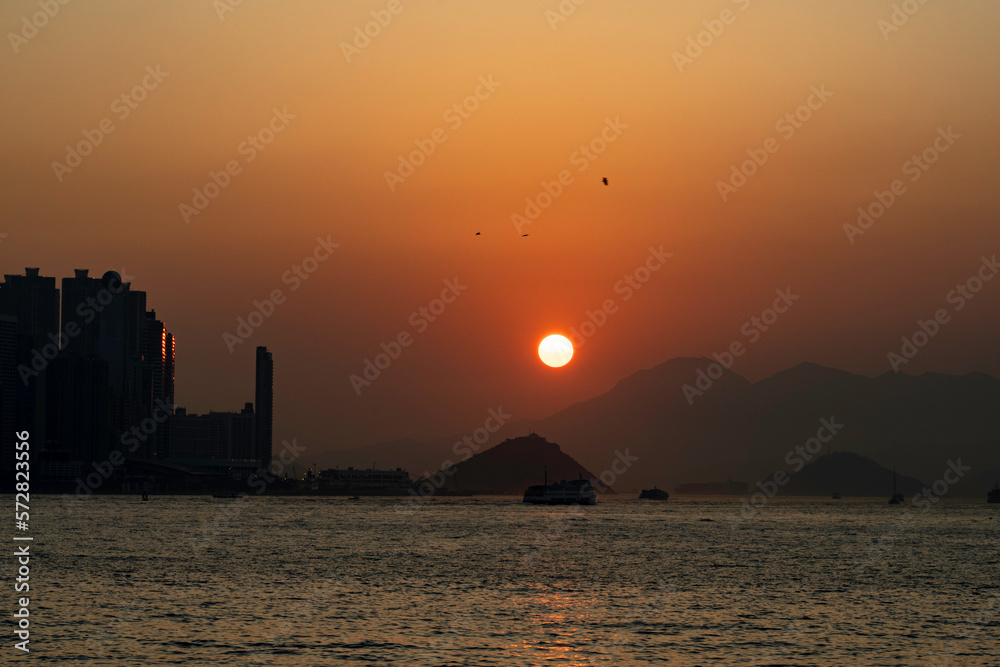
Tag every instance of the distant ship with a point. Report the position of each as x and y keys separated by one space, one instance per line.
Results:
x=836 y=496
x=572 y=492
x=994 y=495
x=653 y=494
x=897 y=498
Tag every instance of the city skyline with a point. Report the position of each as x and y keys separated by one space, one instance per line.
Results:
x=89 y=372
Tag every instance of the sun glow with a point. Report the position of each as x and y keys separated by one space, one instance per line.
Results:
x=555 y=350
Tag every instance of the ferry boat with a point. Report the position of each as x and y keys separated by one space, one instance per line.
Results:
x=994 y=495
x=653 y=494
x=572 y=492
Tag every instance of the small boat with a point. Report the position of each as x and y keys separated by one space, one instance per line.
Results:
x=897 y=498
x=354 y=498
x=653 y=494
x=836 y=496
x=994 y=495
x=572 y=492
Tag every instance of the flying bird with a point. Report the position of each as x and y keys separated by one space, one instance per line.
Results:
x=523 y=234
x=477 y=233
x=605 y=180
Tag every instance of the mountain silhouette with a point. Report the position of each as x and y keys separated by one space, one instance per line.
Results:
x=850 y=475
x=512 y=466
x=742 y=430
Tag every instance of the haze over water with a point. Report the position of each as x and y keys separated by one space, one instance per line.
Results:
x=489 y=581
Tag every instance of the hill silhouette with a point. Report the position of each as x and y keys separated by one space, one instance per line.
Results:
x=512 y=466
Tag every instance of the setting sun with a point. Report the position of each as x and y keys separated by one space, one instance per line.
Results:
x=555 y=350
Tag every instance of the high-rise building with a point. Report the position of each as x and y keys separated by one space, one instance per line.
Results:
x=33 y=300
x=110 y=319
x=264 y=406
x=8 y=391
x=158 y=380
x=226 y=437
x=79 y=409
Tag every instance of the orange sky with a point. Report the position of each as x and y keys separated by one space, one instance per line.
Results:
x=555 y=89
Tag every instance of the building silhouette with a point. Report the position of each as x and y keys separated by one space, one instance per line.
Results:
x=158 y=381
x=33 y=300
x=264 y=400
x=8 y=390
x=78 y=406
x=218 y=436
x=96 y=394
x=111 y=319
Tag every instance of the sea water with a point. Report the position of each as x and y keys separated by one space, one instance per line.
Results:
x=189 y=580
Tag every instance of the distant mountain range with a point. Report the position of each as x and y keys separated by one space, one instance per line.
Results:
x=849 y=474
x=742 y=430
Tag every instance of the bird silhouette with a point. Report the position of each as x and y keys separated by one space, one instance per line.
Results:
x=477 y=233
x=605 y=180
x=523 y=234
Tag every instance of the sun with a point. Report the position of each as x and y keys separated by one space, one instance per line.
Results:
x=555 y=350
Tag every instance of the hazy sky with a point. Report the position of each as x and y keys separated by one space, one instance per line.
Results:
x=623 y=77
